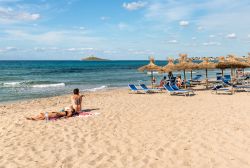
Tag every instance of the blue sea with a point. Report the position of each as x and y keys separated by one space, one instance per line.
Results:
x=34 y=79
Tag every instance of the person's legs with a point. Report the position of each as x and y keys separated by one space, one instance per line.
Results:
x=41 y=116
x=60 y=114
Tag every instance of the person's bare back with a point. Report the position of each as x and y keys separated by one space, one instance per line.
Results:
x=76 y=101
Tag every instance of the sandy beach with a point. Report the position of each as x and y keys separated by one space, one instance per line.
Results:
x=129 y=131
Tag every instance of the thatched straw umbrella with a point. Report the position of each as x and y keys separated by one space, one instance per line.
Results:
x=232 y=62
x=222 y=64
x=236 y=63
x=183 y=65
x=206 y=65
x=245 y=63
x=150 y=67
x=248 y=60
x=169 y=67
x=192 y=66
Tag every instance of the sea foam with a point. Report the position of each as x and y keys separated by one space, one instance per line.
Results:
x=95 y=89
x=49 y=85
x=11 y=84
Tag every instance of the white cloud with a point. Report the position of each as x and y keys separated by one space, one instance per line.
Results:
x=110 y=52
x=39 y=49
x=211 y=36
x=140 y=52
x=72 y=49
x=190 y=44
x=193 y=38
x=218 y=15
x=122 y=26
x=7 y=1
x=78 y=49
x=28 y=16
x=104 y=18
x=143 y=52
x=223 y=15
x=200 y=28
x=43 y=49
x=211 y=43
x=90 y=48
x=231 y=36
x=9 y=15
x=184 y=23
x=248 y=36
x=172 y=41
x=8 y=49
x=167 y=11
x=55 y=38
x=134 y=5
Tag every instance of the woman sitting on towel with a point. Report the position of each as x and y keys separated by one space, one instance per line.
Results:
x=68 y=112
x=76 y=101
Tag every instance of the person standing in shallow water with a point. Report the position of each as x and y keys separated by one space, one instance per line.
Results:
x=76 y=100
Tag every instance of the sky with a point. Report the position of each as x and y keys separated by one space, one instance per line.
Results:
x=122 y=29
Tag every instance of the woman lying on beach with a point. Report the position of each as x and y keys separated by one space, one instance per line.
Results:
x=74 y=109
x=68 y=112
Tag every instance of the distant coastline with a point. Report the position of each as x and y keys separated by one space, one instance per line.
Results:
x=93 y=58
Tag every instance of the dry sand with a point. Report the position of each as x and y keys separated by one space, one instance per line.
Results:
x=131 y=131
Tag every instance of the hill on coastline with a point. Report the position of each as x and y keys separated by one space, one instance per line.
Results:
x=93 y=58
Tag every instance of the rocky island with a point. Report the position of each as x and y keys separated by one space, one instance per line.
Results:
x=93 y=58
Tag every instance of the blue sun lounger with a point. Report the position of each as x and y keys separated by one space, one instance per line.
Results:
x=133 y=88
x=220 y=89
x=196 y=78
x=170 y=90
x=227 y=83
x=227 y=77
x=146 y=89
x=175 y=87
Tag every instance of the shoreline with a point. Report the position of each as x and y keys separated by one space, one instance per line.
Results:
x=64 y=94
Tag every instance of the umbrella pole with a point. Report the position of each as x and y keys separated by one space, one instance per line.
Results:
x=185 y=79
x=191 y=75
x=231 y=75
x=232 y=80
x=206 y=80
x=222 y=72
x=152 y=77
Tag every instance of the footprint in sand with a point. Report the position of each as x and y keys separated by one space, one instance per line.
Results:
x=174 y=152
x=111 y=158
x=160 y=152
x=92 y=163
x=146 y=160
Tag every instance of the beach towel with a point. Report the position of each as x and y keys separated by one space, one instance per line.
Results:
x=81 y=114
x=87 y=114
